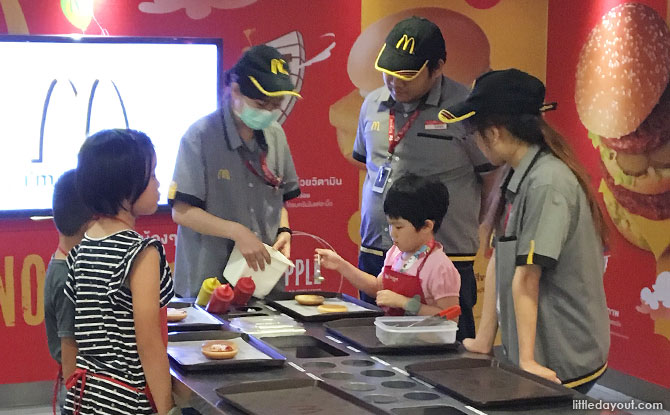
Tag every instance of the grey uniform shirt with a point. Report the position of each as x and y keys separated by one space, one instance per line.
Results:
x=550 y=224
x=210 y=173
x=58 y=310
x=430 y=149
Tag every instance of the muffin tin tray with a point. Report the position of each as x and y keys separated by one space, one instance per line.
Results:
x=294 y=396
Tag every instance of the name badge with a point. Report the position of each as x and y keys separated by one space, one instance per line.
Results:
x=382 y=178
x=434 y=125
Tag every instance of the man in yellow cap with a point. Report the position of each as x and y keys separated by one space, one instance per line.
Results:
x=233 y=173
x=399 y=132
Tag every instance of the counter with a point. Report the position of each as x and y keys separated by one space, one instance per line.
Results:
x=380 y=380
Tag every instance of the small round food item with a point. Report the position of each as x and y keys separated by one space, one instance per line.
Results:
x=309 y=299
x=176 y=314
x=219 y=349
x=332 y=308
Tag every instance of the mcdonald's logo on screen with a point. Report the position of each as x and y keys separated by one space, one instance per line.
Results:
x=277 y=65
x=406 y=43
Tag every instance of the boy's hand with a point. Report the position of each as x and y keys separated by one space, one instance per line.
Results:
x=388 y=298
x=329 y=259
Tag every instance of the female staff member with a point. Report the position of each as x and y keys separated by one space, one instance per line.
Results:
x=546 y=278
x=234 y=171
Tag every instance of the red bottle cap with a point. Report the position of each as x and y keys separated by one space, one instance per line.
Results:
x=243 y=290
x=246 y=284
x=220 y=300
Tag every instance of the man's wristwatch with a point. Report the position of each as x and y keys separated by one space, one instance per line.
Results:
x=284 y=229
x=413 y=306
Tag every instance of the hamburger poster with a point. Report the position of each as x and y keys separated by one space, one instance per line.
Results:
x=609 y=68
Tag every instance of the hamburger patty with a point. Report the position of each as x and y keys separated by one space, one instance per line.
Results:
x=651 y=134
x=654 y=207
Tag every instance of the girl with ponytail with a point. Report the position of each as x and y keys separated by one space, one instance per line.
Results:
x=544 y=284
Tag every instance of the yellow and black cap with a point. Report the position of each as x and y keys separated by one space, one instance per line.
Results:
x=505 y=92
x=409 y=47
x=262 y=72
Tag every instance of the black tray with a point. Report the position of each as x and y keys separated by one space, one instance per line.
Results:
x=488 y=382
x=249 y=343
x=253 y=308
x=294 y=396
x=206 y=321
x=370 y=309
x=362 y=333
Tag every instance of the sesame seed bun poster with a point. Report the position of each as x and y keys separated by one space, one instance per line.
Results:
x=608 y=66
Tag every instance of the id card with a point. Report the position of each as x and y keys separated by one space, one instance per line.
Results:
x=382 y=177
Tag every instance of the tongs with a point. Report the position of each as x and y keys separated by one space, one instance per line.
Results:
x=446 y=314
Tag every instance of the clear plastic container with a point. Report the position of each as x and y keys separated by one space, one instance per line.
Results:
x=268 y=326
x=393 y=331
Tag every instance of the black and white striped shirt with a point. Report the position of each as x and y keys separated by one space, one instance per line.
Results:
x=99 y=286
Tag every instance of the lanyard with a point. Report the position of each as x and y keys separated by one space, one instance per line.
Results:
x=393 y=138
x=268 y=176
x=428 y=248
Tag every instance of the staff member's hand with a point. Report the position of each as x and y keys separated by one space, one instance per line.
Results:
x=252 y=249
x=539 y=370
x=283 y=244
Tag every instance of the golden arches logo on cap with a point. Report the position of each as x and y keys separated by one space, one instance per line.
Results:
x=449 y=118
x=407 y=43
x=277 y=66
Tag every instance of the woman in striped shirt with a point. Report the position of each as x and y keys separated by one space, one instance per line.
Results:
x=118 y=282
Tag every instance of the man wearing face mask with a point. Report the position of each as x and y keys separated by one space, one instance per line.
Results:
x=233 y=173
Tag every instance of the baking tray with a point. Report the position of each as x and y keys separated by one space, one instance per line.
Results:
x=184 y=349
x=362 y=334
x=252 y=309
x=294 y=396
x=488 y=382
x=285 y=303
x=196 y=318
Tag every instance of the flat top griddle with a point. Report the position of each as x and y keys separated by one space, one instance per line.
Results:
x=488 y=382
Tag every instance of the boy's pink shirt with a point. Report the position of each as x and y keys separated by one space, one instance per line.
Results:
x=439 y=277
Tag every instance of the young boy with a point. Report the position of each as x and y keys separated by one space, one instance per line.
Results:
x=71 y=218
x=418 y=278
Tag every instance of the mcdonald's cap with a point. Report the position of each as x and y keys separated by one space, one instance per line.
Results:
x=408 y=48
x=505 y=92
x=263 y=72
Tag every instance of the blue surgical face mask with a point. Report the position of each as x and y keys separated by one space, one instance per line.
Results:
x=256 y=119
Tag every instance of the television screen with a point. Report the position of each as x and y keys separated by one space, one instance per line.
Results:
x=54 y=91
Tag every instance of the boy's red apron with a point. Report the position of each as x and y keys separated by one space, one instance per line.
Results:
x=404 y=284
x=80 y=374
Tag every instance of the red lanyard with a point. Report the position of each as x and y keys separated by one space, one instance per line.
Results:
x=268 y=176
x=61 y=250
x=393 y=138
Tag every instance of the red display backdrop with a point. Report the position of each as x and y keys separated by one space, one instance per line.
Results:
x=330 y=201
